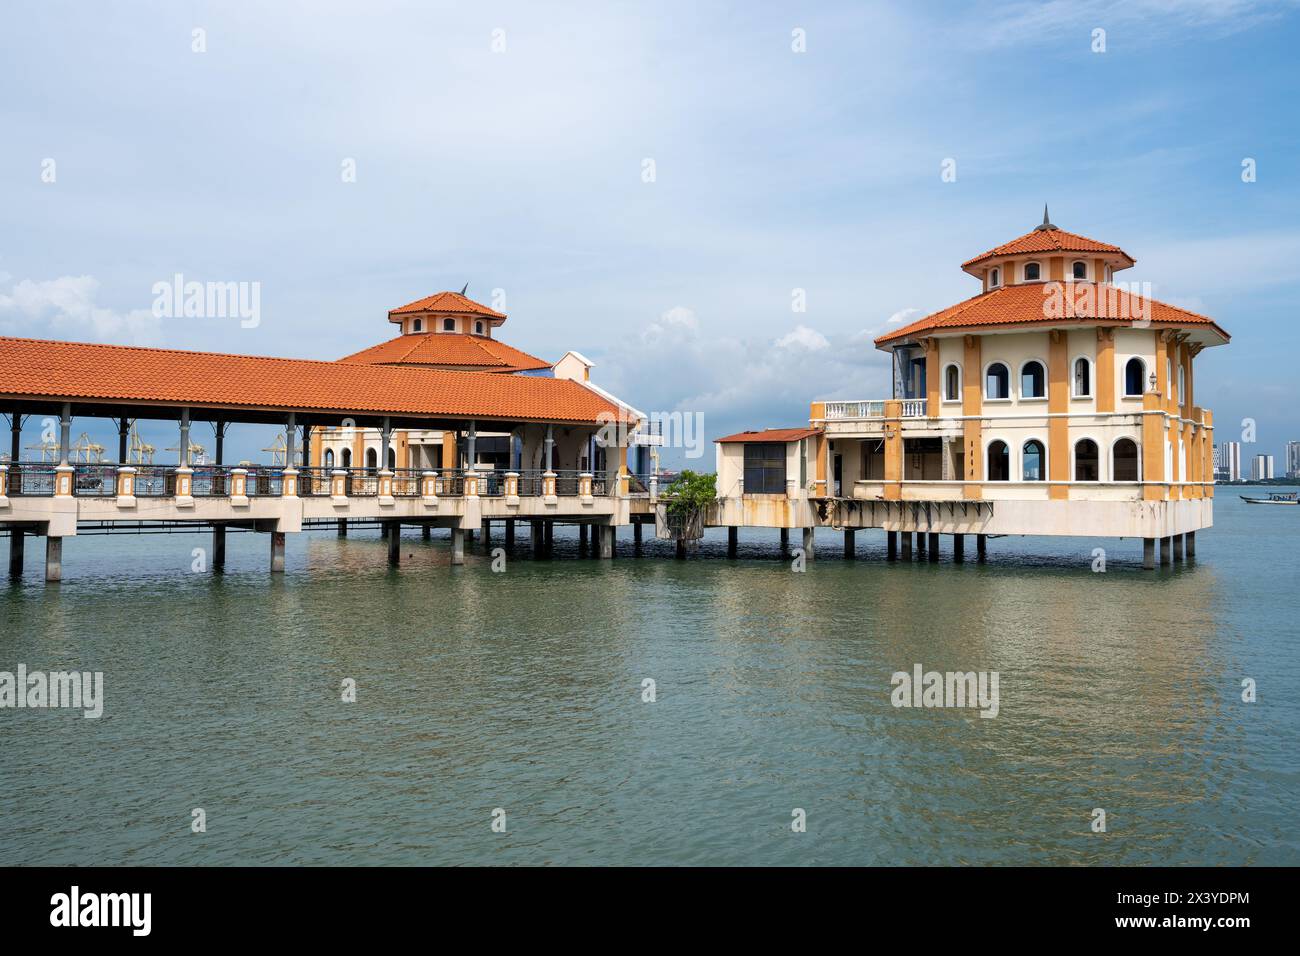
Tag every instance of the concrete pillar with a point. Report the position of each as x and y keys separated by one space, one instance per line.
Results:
x=487 y=533
x=733 y=540
x=1148 y=554
x=53 y=558
x=891 y=545
x=549 y=532
x=1178 y=547
x=981 y=546
x=582 y=538
x=958 y=548
x=785 y=540
x=457 y=546
x=606 y=541
x=537 y=539
x=123 y=430
x=1191 y=544
x=394 y=531
x=17 y=539
x=934 y=545
x=613 y=541
x=850 y=545
x=426 y=532
x=636 y=536
x=510 y=534
x=277 y=552
x=219 y=548
x=1166 y=546
x=343 y=527
x=679 y=552
x=809 y=540
x=469 y=535
x=906 y=550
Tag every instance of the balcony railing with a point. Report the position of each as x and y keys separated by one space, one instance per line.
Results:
x=875 y=408
x=95 y=481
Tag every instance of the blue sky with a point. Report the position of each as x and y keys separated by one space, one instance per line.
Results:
x=521 y=170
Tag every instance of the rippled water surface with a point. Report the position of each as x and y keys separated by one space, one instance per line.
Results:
x=522 y=690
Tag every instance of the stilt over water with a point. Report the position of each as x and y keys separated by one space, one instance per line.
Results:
x=17 y=539
x=219 y=548
x=277 y=552
x=457 y=546
x=53 y=558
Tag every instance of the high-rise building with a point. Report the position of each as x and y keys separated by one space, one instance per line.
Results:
x=1261 y=467
x=1230 y=461
x=1293 y=459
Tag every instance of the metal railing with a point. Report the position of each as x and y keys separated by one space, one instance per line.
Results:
x=567 y=482
x=361 y=483
x=155 y=481
x=314 y=482
x=210 y=481
x=264 y=482
x=94 y=481
x=406 y=483
x=31 y=480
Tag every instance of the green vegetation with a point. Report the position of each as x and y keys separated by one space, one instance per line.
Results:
x=691 y=493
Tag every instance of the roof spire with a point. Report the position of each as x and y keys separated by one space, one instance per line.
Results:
x=1047 y=223
x=466 y=288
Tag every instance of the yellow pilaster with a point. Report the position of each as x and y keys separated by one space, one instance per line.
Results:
x=893 y=449
x=449 y=450
x=972 y=404
x=1105 y=384
x=1153 y=446
x=1058 y=402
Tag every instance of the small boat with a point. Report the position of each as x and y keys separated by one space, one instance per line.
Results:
x=1279 y=499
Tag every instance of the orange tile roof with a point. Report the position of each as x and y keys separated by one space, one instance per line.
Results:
x=1030 y=304
x=447 y=302
x=769 y=435
x=1048 y=240
x=454 y=349
x=35 y=368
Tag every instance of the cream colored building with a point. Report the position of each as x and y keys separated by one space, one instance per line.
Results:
x=1056 y=401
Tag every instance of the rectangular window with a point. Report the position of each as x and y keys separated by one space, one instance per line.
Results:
x=765 y=469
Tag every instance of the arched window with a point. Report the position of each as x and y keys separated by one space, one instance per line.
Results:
x=1033 y=380
x=1085 y=460
x=347 y=457
x=1169 y=378
x=1135 y=373
x=1032 y=271
x=478 y=328
x=951 y=383
x=1080 y=269
x=1031 y=458
x=997 y=381
x=1182 y=382
x=999 y=461
x=995 y=277
x=1124 y=460
x=371 y=458
x=1082 y=378
x=329 y=458
x=417 y=325
x=392 y=459
x=449 y=325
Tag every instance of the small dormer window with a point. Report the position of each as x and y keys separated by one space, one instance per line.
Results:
x=478 y=328
x=995 y=277
x=1032 y=272
x=449 y=325
x=417 y=325
x=1080 y=270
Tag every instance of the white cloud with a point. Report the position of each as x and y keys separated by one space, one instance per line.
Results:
x=802 y=337
x=65 y=308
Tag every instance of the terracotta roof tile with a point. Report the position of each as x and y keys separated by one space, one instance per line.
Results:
x=1048 y=240
x=33 y=368
x=1033 y=303
x=769 y=435
x=447 y=302
x=448 y=349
